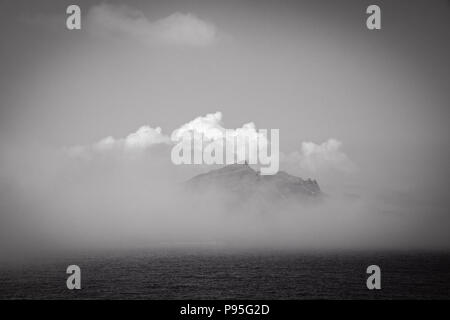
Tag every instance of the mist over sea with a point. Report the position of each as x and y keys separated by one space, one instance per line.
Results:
x=107 y=136
x=230 y=274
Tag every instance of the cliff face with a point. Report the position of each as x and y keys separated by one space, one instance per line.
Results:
x=244 y=183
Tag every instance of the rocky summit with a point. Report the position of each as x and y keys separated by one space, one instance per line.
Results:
x=244 y=183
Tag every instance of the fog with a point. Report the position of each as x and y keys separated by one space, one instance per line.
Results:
x=363 y=112
x=52 y=201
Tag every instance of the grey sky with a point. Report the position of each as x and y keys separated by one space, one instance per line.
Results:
x=309 y=68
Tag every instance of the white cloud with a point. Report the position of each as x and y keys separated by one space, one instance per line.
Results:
x=185 y=29
x=210 y=126
x=324 y=157
x=105 y=144
x=145 y=137
x=176 y=29
x=312 y=158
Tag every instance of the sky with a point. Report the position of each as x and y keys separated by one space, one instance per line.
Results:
x=363 y=112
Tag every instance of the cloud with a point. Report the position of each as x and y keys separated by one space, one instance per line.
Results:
x=313 y=159
x=145 y=137
x=212 y=129
x=210 y=126
x=176 y=29
x=323 y=157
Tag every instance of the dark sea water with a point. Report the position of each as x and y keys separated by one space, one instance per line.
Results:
x=191 y=274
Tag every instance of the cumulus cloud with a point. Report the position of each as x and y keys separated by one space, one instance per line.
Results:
x=210 y=126
x=176 y=29
x=312 y=159
x=142 y=139
x=324 y=157
x=145 y=137
x=242 y=143
x=209 y=129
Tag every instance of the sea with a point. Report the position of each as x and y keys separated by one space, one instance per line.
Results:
x=217 y=274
